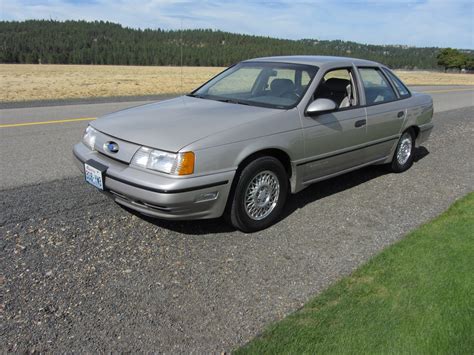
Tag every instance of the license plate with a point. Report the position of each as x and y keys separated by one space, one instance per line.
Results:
x=94 y=173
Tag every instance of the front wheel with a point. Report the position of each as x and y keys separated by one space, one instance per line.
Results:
x=404 y=154
x=259 y=196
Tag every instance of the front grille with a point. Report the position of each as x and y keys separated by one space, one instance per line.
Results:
x=111 y=157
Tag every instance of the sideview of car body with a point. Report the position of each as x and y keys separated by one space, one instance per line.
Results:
x=262 y=129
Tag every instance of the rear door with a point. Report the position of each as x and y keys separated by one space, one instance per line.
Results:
x=385 y=113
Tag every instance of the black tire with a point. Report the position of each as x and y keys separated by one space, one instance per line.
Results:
x=239 y=213
x=406 y=144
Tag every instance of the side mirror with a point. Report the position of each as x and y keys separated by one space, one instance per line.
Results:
x=319 y=106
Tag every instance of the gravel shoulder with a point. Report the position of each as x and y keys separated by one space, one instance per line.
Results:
x=81 y=274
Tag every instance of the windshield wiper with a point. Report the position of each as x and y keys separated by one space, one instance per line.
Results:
x=195 y=95
x=231 y=101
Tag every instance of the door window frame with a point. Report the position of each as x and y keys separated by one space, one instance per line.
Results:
x=353 y=73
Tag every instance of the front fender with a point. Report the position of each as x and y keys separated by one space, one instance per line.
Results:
x=229 y=156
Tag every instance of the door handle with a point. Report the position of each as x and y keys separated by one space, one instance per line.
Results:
x=401 y=114
x=360 y=123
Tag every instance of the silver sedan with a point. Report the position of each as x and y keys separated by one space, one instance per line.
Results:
x=261 y=129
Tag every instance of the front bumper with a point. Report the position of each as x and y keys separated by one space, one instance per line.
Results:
x=156 y=195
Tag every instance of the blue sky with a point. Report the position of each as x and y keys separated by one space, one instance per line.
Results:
x=441 y=23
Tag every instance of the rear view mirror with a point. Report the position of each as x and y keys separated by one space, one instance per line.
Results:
x=319 y=106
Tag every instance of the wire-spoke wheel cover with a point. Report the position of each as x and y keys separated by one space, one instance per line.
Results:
x=404 y=149
x=261 y=195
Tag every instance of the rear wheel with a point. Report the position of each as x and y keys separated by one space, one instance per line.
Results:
x=404 y=154
x=259 y=195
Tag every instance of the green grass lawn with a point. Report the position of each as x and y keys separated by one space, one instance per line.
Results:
x=416 y=297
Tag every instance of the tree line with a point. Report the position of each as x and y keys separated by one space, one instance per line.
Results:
x=450 y=58
x=99 y=42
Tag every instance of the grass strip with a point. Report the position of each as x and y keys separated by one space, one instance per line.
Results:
x=416 y=296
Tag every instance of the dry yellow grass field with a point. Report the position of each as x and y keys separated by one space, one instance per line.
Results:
x=20 y=82
x=434 y=78
x=23 y=82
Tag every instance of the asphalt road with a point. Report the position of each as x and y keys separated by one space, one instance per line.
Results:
x=81 y=274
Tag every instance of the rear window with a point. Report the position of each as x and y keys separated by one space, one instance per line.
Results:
x=401 y=88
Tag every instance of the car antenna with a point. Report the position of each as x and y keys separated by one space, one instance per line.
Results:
x=181 y=54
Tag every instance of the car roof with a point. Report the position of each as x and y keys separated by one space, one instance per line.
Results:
x=316 y=60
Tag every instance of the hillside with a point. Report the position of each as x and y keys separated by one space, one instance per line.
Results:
x=80 y=42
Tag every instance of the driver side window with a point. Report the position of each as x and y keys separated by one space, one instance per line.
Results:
x=338 y=85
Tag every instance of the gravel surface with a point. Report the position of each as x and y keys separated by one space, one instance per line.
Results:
x=81 y=274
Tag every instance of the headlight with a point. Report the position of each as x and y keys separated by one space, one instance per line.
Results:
x=90 y=135
x=169 y=163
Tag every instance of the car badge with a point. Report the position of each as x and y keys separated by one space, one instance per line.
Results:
x=112 y=147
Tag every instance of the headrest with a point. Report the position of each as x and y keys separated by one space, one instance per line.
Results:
x=336 y=84
x=280 y=86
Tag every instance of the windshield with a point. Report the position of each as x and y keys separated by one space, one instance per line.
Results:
x=276 y=85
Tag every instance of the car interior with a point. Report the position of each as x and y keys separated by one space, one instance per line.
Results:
x=337 y=85
x=292 y=86
x=279 y=86
x=376 y=87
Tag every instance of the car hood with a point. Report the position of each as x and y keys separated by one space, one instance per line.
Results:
x=171 y=125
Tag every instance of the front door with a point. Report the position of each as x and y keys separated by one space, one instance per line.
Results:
x=334 y=141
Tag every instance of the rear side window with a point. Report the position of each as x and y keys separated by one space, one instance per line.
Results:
x=401 y=88
x=377 y=88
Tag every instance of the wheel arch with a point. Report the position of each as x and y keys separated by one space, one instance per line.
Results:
x=416 y=132
x=415 y=129
x=276 y=153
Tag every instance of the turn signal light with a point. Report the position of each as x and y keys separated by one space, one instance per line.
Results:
x=185 y=164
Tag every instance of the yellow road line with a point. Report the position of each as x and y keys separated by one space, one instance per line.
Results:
x=7 y=125
x=446 y=90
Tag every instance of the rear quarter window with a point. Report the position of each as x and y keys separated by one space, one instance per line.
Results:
x=401 y=88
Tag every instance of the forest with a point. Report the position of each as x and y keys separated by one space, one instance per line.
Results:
x=99 y=42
